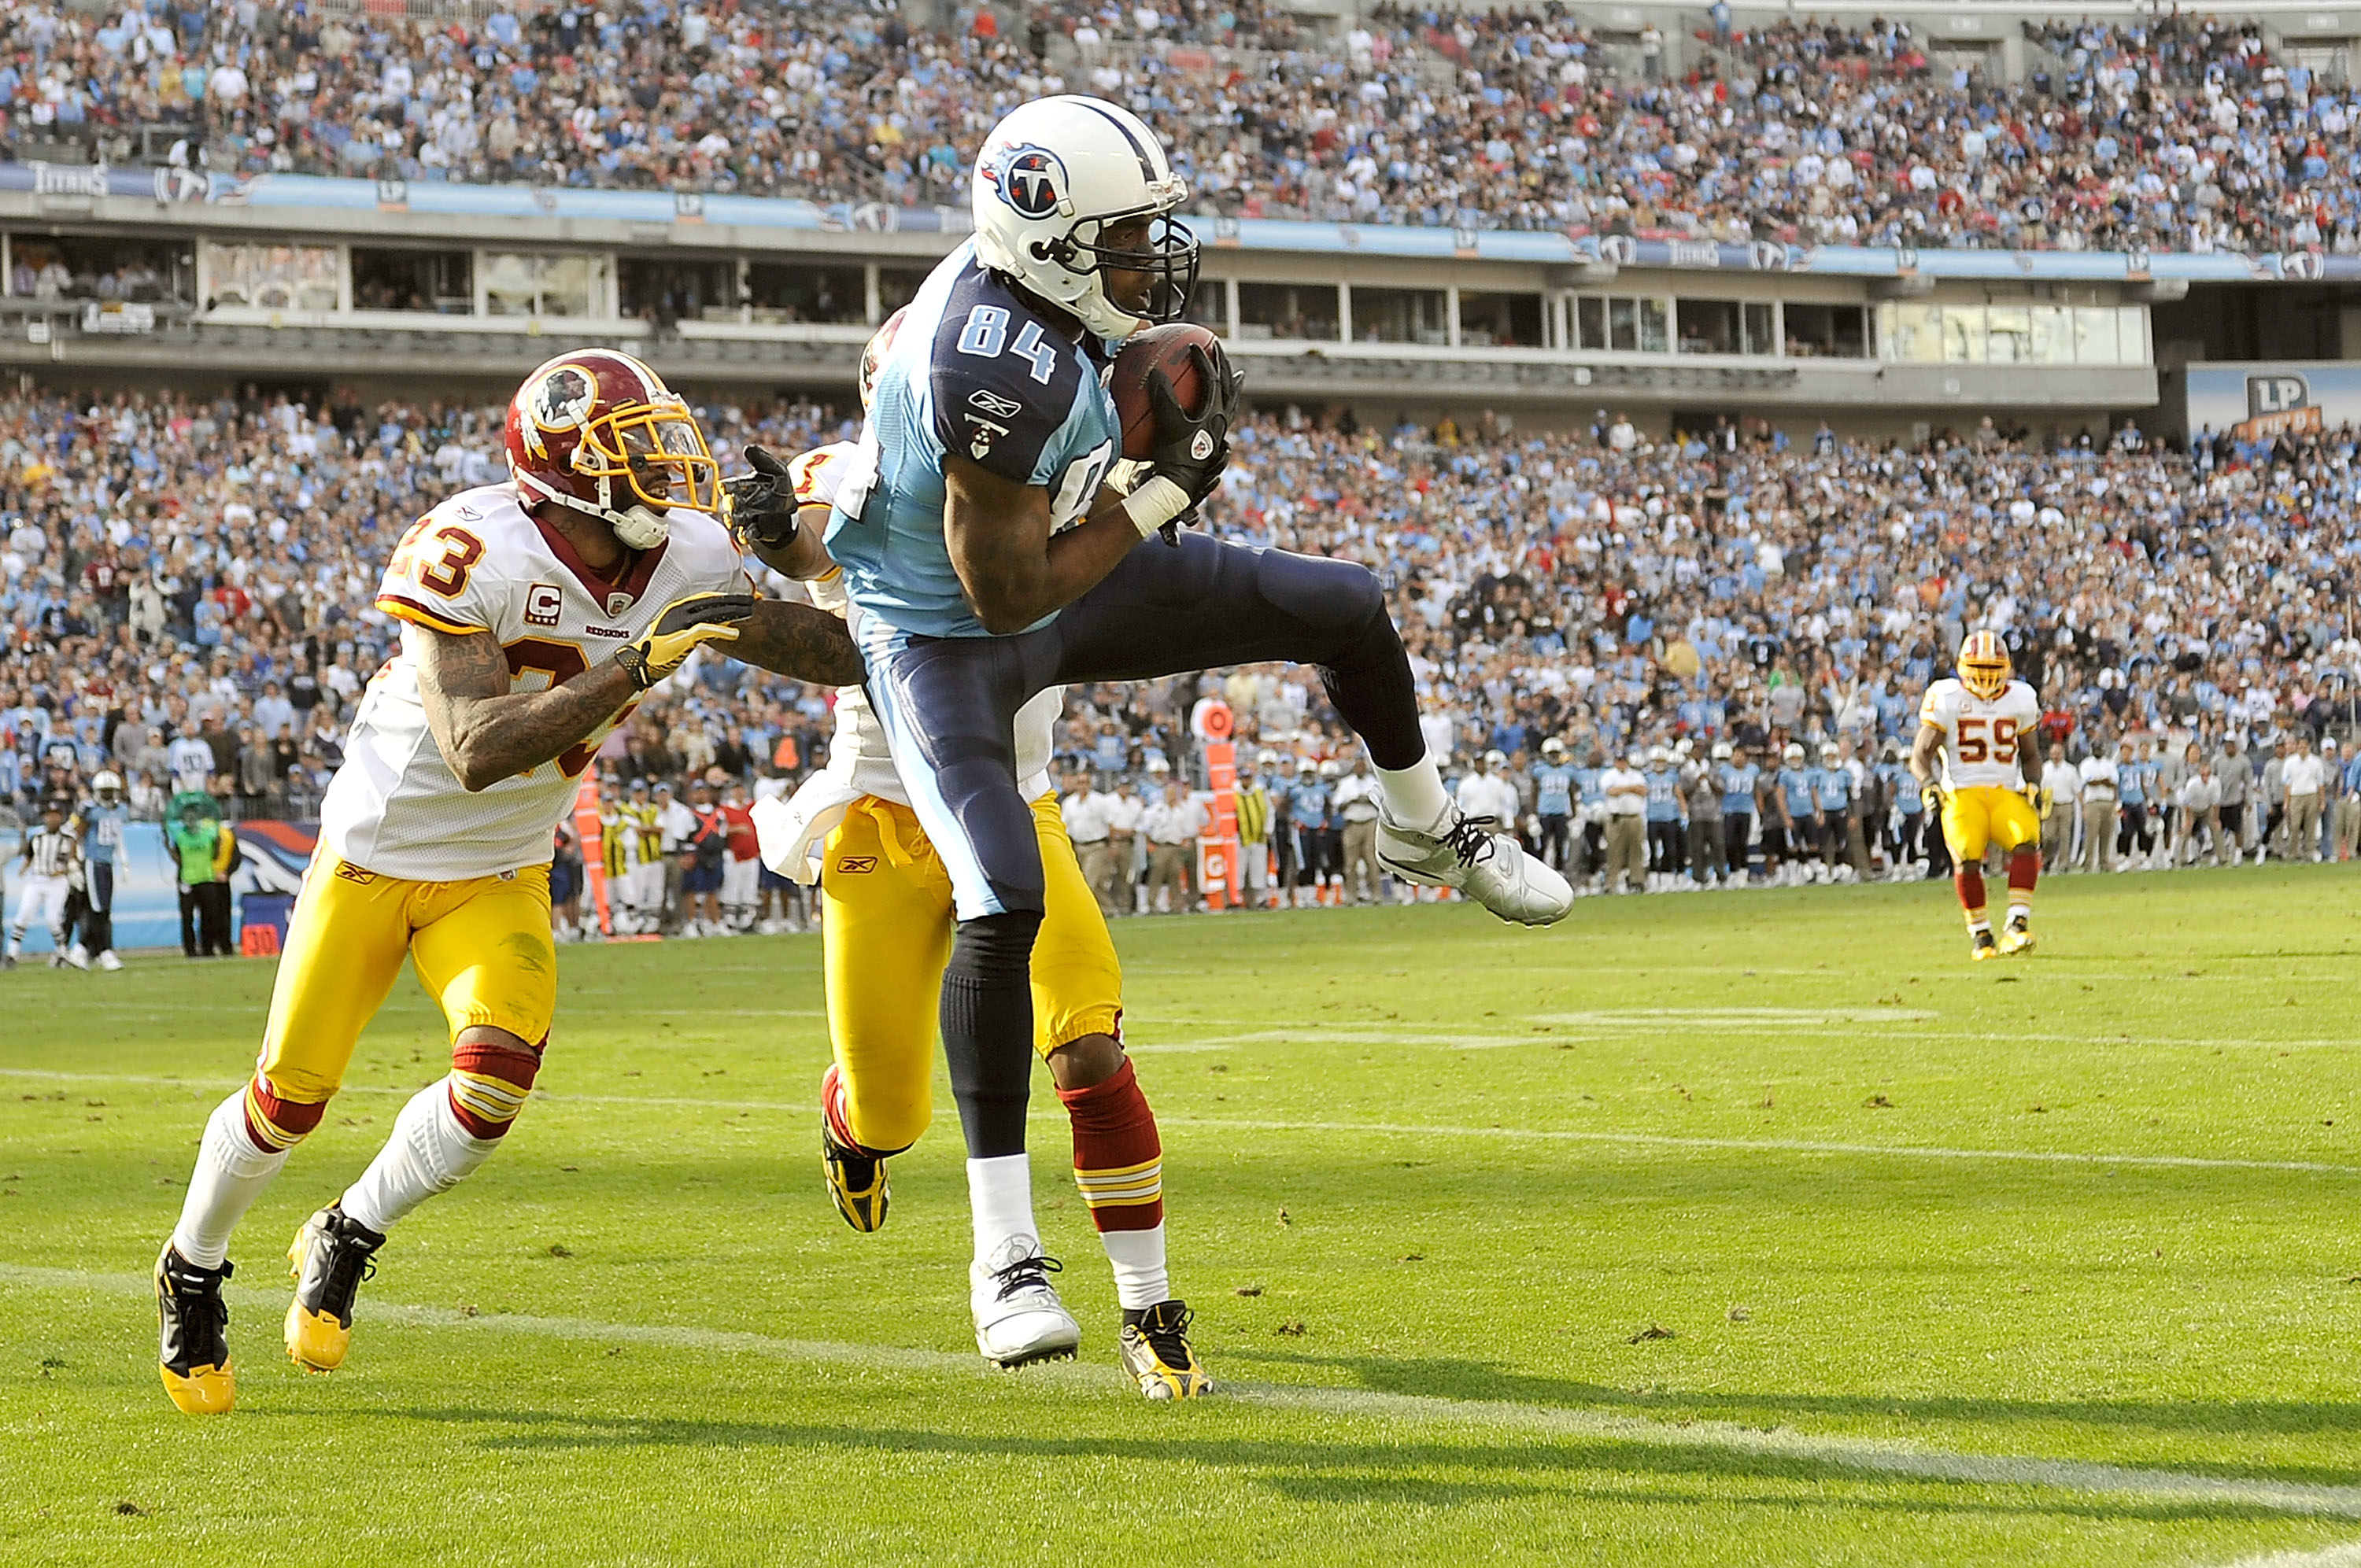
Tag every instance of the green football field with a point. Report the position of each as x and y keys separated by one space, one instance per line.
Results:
x=1755 y=1228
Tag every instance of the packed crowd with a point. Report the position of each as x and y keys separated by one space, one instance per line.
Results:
x=185 y=587
x=2168 y=133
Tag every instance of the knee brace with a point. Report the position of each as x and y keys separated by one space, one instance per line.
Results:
x=275 y=1124
x=490 y=1081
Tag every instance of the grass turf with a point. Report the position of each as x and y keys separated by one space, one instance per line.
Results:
x=1604 y=1243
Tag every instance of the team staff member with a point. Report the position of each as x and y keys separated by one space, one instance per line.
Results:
x=1172 y=826
x=2060 y=807
x=1626 y=793
x=204 y=848
x=1090 y=819
x=1253 y=808
x=2101 y=777
x=1357 y=808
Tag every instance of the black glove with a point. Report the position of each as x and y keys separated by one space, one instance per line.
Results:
x=679 y=629
x=759 y=508
x=1191 y=450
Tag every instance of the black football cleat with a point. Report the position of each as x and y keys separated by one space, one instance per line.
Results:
x=1156 y=1351
x=329 y=1258
x=194 y=1320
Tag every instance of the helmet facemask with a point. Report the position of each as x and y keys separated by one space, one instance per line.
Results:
x=644 y=459
x=1170 y=258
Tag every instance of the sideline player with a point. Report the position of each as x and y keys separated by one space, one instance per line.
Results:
x=990 y=560
x=533 y=614
x=886 y=911
x=1987 y=724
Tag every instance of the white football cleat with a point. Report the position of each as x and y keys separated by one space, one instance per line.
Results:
x=1019 y=1318
x=109 y=961
x=1493 y=868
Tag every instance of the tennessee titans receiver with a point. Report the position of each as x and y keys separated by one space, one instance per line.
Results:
x=993 y=549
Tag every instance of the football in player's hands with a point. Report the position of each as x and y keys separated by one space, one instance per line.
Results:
x=759 y=506
x=1143 y=355
x=1192 y=449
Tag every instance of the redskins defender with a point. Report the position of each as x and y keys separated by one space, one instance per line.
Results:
x=1987 y=724
x=886 y=913
x=533 y=614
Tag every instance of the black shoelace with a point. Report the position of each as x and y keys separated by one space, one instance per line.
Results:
x=1169 y=1334
x=1470 y=838
x=1025 y=1274
x=350 y=1261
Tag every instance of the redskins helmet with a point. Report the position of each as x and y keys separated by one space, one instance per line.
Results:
x=1985 y=668
x=600 y=432
x=872 y=357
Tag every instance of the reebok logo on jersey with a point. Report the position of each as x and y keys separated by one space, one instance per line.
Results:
x=542 y=603
x=992 y=404
x=855 y=865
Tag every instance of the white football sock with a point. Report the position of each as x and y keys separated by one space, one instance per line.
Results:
x=1137 y=1257
x=1000 y=1201
x=429 y=1152
x=2021 y=912
x=1415 y=794
x=230 y=1174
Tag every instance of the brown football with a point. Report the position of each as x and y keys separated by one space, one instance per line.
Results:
x=1164 y=348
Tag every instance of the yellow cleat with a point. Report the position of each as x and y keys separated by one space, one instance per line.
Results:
x=329 y=1258
x=1985 y=948
x=856 y=1176
x=1156 y=1353
x=2017 y=938
x=193 y=1359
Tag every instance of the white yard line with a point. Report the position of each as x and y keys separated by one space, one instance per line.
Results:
x=1872 y=1456
x=2348 y=1555
x=1386 y=1129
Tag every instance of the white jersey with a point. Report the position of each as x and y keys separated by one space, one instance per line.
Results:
x=1980 y=744
x=480 y=562
x=858 y=754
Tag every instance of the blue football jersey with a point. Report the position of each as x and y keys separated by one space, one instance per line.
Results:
x=979 y=369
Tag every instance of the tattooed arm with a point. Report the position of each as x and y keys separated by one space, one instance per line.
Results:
x=798 y=640
x=487 y=732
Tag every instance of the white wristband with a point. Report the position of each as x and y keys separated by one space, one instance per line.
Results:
x=1156 y=502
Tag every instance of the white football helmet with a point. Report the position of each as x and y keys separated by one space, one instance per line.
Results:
x=1052 y=175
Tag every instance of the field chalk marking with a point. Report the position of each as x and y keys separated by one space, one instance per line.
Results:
x=1387 y=1129
x=1902 y=1460
x=2345 y=1556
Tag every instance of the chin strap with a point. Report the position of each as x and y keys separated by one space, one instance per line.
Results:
x=641 y=528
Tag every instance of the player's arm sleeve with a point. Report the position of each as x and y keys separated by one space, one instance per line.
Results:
x=998 y=415
x=440 y=577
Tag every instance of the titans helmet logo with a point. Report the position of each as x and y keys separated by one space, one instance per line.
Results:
x=1031 y=179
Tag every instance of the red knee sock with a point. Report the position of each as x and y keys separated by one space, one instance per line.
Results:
x=2024 y=871
x=490 y=1084
x=1970 y=880
x=1118 y=1158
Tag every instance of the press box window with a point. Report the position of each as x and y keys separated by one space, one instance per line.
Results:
x=1622 y=324
x=1401 y=315
x=438 y=282
x=1499 y=319
x=1305 y=310
x=1726 y=326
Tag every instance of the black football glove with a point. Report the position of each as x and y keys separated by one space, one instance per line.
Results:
x=759 y=508
x=678 y=630
x=1191 y=450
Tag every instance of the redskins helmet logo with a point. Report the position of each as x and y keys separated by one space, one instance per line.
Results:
x=1031 y=179
x=564 y=399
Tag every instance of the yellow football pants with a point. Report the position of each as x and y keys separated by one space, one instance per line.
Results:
x=885 y=911
x=482 y=948
x=1975 y=818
